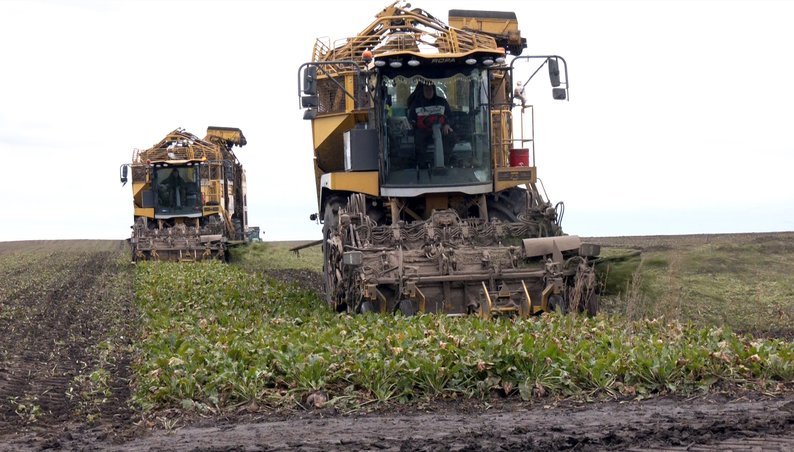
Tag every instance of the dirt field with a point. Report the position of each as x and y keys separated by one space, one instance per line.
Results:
x=66 y=319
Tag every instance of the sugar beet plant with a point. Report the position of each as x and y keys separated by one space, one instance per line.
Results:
x=216 y=337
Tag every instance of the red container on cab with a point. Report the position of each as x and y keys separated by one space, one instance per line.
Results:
x=519 y=157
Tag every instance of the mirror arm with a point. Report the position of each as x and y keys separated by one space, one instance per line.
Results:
x=319 y=65
x=546 y=59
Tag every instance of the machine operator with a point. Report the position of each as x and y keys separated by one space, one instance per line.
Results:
x=426 y=109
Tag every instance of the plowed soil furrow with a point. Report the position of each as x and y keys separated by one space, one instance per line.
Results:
x=61 y=305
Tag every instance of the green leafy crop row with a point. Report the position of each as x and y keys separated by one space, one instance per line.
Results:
x=216 y=337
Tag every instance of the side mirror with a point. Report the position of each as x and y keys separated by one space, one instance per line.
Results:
x=554 y=72
x=123 y=175
x=559 y=93
x=310 y=80
x=310 y=101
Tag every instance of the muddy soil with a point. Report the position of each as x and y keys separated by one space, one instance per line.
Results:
x=713 y=423
x=63 y=302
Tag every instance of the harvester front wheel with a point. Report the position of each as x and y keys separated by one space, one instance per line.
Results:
x=558 y=302
x=408 y=308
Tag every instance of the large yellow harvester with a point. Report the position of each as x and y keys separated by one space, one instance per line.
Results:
x=433 y=205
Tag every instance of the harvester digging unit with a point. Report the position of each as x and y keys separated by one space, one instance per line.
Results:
x=189 y=196
x=433 y=205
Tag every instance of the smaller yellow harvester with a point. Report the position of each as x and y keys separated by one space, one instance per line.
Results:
x=189 y=196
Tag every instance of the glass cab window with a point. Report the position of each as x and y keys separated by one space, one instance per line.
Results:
x=177 y=190
x=436 y=130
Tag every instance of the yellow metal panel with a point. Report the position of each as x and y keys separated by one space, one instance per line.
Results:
x=499 y=186
x=137 y=187
x=212 y=192
x=324 y=126
x=514 y=176
x=495 y=25
x=230 y=134
x=361 y=182
x=147 y=212
x=544 y=300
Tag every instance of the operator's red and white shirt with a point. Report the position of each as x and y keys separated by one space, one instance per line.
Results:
x=428 y=115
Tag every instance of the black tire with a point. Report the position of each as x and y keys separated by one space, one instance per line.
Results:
x=329 y=222
x=510 y=203
x=558 y=302
x=592 y=304
x=408 y=308
x=367 y=307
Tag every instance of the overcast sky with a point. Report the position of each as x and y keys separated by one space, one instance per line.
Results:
x=679 y=121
